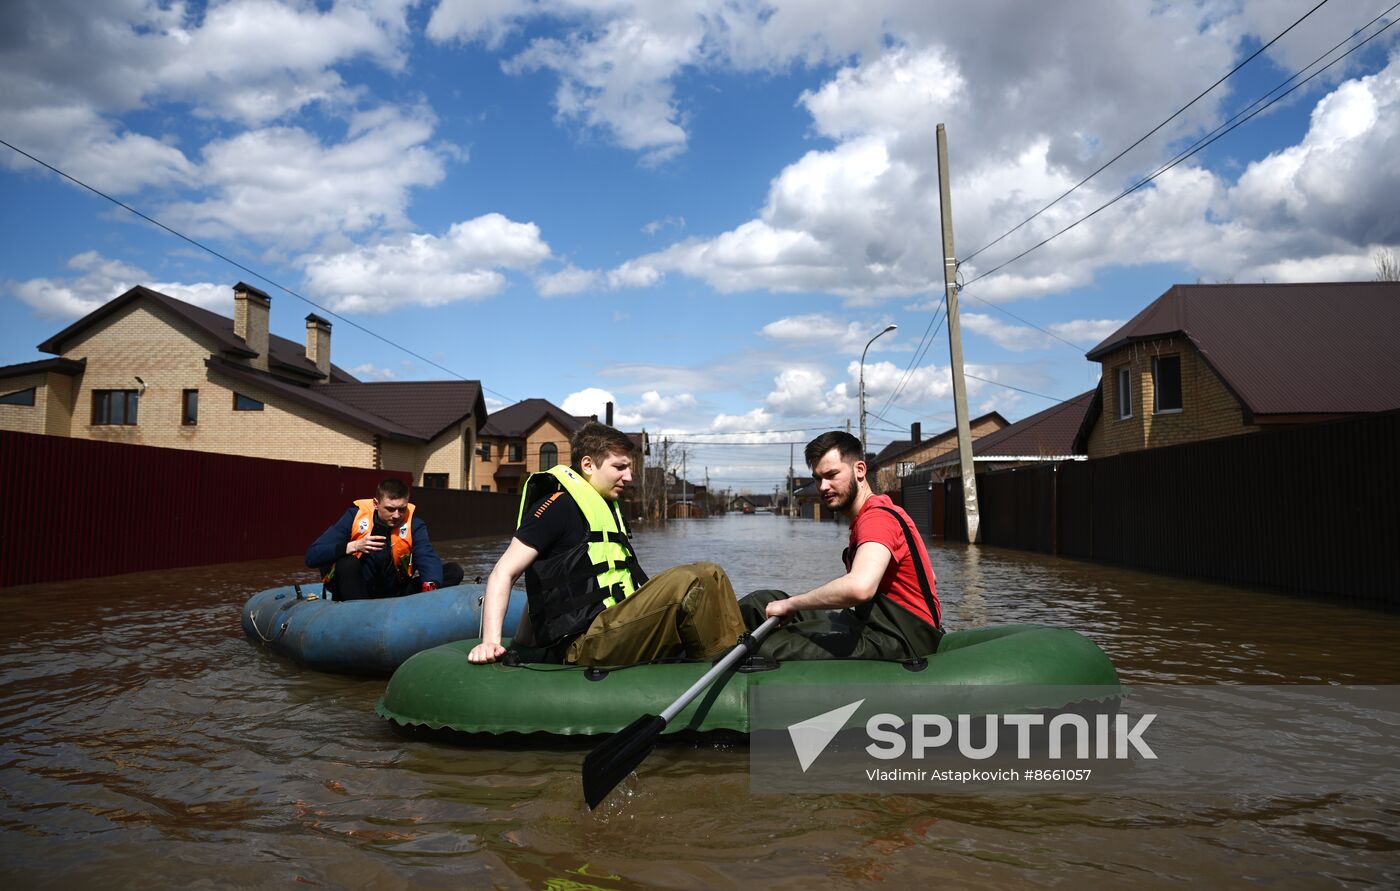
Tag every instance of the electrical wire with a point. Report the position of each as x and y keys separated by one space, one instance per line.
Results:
x=1196 y=149
x=253 y=272
x=1173 y=116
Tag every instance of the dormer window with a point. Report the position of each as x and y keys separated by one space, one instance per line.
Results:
x=1166 y=384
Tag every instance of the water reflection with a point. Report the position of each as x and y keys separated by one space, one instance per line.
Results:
x=144 y=741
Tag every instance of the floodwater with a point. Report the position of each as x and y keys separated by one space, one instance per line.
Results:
x=145 y=743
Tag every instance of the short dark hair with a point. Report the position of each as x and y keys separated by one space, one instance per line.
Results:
x=598 y=441
x=845 y=443
x=391 y=488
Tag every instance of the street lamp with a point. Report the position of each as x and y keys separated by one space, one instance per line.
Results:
x=862 y=386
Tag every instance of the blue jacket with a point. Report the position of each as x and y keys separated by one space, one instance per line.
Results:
x=378 y=567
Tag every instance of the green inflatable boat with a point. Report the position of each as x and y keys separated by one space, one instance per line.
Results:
x=439 y=689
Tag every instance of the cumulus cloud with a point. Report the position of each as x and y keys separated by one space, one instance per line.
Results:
x=569 y=280
x=802 y=392
x=101 y=279
x=589 y=401
x=71 y=68
x=827 y=333
x=286 y=186
x=427 y=270
x=754 y=420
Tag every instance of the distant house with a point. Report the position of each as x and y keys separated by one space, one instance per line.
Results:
x=748 y=504
x=1044 y=437
x=147 y=369
x=521 y=439
x=1208 y=361
x=898 y=459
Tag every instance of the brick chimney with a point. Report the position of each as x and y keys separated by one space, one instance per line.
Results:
x=916 y=432
x=318 y=343
x=251 y=308
x=609 y=421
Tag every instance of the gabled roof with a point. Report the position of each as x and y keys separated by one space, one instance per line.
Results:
x=1321 y=348
x=901 y=446
x=515 y=421
x=317 y=398
x=283 y=354
x=427 y=408
x=69 y=367
x=1047 y=434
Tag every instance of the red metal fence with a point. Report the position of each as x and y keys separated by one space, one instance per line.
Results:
x=78 y=508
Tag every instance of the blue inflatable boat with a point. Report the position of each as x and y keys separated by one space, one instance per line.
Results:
x=365 y=636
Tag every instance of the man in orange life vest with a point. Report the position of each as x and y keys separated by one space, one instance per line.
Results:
x=380 y=549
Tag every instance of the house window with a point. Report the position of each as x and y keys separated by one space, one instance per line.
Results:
x=549 y=455
x=484 y=450
x=1166 y=384
x=189 y=408
x=114 y=407
x=435 y=481
x=18 y=397
x=903 y=468
x=1125 y=392
x=517 y=451
x=246 y=403
x=486 y=488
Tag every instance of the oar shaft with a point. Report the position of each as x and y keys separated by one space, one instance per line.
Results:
x=719 y=668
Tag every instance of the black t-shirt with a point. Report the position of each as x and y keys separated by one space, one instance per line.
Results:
x=553 y=524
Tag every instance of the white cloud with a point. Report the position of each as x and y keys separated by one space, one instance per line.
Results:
x=668 y=222
x=828 y=333
x=1087 y=331
x=802 y=392
x=284 y=186
x=589 y=401
x=569 y=280
x=370 y=371
x=754 y=420
x=427 y=270
x=1017 y=338
x=103 y=279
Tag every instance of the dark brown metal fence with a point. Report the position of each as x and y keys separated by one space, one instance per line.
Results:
x=80 y=508
x=1309 y=508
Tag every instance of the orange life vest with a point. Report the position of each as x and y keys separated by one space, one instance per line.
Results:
x=401 y=539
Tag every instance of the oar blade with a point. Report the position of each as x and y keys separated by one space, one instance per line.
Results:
x=617 y=756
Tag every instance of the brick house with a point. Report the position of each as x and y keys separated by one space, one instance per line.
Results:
x=521 y=439
x=147 y=369
x=1044 y=437
x=898 y=459
x=1209 y=361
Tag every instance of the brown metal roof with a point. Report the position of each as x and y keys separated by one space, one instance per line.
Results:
x=426 y=408
x=1289 y=349
x=283 y=354
x=69 y=367
x=900 y=446
x=514 y=421
x=1049 y=433
x=317 y=398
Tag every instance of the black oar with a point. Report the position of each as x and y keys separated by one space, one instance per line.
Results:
x=621 y=753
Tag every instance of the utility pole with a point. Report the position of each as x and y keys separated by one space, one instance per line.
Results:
x=688 y=511
x=950 y=287
x=708 y=499
x=665 y=486
x=645 y=511
x=790 y=512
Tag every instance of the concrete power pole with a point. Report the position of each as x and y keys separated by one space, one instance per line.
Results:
x=646 y=512
x=791 y=512
x=950 y=286
x=665 y=486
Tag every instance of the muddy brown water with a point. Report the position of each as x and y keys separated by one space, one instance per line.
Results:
x=145 y=743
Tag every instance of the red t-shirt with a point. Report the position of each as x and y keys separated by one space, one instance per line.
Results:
x=901 y=580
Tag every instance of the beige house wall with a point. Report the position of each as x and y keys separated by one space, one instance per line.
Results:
x=59 y=405
x=168 y=354
x=26 y=418
x=1208 y=410
x=546 y=432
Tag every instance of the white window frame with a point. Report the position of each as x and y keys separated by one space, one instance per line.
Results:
x=1123 y=386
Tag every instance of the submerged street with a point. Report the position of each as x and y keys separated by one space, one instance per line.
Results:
x=146 y=742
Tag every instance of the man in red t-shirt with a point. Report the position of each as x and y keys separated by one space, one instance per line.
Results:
x=885 y=606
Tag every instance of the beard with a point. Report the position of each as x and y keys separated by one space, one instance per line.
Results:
x=844 y=500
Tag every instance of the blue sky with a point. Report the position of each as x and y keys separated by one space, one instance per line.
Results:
x=700 y=209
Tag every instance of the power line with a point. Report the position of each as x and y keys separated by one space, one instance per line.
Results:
x=1017 y=389
x=919 y=352
x=1173 y=116
x=253 y=272
x=1200 y=146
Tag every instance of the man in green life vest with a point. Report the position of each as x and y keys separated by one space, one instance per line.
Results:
x=590 y=603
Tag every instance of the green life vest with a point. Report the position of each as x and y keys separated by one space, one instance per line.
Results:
x=568 y=587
